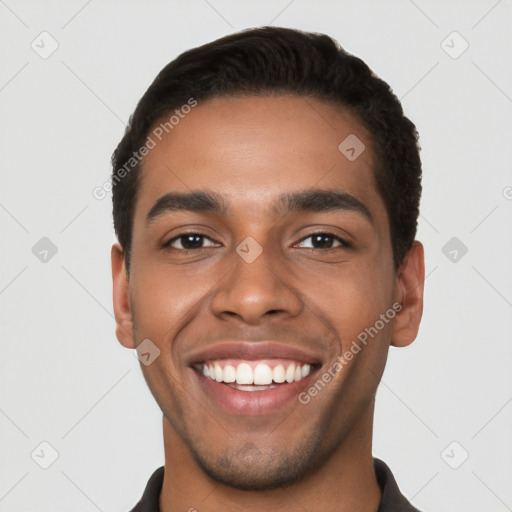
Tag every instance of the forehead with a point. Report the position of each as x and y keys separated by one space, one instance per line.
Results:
x=253 y=149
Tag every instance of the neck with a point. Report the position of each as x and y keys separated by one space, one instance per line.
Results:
x=346 y=482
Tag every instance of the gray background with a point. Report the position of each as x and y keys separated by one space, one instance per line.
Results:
x=64 y=378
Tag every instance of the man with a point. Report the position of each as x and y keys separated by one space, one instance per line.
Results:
x=265 y=200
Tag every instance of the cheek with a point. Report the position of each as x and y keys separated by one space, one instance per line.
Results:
x=350 y=298
x=163 y=299
x=358 y=307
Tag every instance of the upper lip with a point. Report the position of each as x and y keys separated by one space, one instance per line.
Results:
x=252 y=350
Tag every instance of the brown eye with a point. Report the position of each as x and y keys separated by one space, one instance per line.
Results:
x=190 y=241
x=322 y=241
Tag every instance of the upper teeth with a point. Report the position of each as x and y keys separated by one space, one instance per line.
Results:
x=262 y=374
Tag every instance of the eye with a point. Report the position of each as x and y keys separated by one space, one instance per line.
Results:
x=190 y=241
x=322 y=241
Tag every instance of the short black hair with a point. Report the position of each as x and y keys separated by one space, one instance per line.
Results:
x=270 y=61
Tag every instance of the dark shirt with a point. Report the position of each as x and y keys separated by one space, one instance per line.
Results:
x=392 y=499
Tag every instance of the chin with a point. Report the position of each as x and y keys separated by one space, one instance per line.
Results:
x=248 y=469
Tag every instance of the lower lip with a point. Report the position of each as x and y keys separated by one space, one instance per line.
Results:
x=252 y=403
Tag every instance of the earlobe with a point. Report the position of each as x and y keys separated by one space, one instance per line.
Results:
x=121 y=298
x=409 y=293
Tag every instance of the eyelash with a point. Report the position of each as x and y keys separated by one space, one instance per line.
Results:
x=342 y=241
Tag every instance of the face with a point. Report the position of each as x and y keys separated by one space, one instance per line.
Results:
x=260 y=253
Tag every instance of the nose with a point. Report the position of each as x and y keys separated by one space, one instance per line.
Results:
x=255 y=291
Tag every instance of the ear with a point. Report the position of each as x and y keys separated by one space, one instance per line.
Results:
x=409 y=293
x=122 y=308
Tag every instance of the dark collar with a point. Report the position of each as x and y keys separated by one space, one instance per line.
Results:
x=392 y=499
x=150 y=501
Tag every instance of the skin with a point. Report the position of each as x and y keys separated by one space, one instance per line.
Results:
x=250 y=150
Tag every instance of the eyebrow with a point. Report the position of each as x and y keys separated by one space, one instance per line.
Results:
x=200 y=201
x=308 y=200
x=323 y=201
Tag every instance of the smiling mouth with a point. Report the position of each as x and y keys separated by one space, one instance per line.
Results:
x=254 y=375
